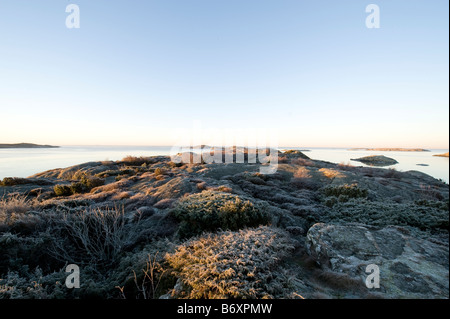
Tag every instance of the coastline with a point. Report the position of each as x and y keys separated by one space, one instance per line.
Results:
x=277 y=222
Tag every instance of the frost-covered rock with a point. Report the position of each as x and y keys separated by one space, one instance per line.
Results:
x=409 y=267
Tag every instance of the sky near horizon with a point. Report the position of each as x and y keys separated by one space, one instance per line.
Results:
x=149 y=72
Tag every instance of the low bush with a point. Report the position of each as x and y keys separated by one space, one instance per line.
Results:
x=12 y=181
x=242 y=264
x=16 y=204
x=303 y=179
x=108 y=173
x=62 y=190
x=85 y=184
x=78 y=188
x=92 y=182
x=350 y=191
x=425 y=218
x=210 y=211
x=94 y=236
x=160 y=171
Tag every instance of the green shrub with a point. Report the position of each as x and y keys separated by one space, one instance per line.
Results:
x=302 y=179
x=91 y=182
x=137 y=161
x=346 y=191
x=108 y=173
x=12 y=181
x=393 y=173
x=78 y=188
x=173 y=165
x=382 y=214
x=243 y=264
x=210 y=210
x=93 y=236
x=62 y=190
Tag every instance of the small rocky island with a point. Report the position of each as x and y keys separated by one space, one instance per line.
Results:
x=376 y=160
x=26 y=145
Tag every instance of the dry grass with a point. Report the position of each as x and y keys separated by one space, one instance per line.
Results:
x=331 y=173
x=136 y=161
x=164 y=203
x=123 y=184
x=303 y=179
x=210 y=211
x=225 y=189
x=160 y=171
x=122 y=195
x=14 y=213
x=346 y=166
x=13 y=207
x=430 y=192
x=302 y=162
x=97 y=235
x=16 y=204
x=302 y=172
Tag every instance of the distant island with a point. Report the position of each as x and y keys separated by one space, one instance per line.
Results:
x=390 y=149
x=26 y=145
x=442 y=155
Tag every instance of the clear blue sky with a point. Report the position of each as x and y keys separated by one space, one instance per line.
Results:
x=138 y=71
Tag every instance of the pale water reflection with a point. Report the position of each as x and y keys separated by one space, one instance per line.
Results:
x=437 y=167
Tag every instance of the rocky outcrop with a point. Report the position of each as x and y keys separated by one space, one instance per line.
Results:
x=376 y=160
x=294 y=154
x=442 y=155
x=409 y=267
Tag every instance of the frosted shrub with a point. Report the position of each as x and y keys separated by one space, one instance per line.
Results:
x=209 y=211
x=242 y=264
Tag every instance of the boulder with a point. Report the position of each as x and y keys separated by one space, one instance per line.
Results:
x=409 y=267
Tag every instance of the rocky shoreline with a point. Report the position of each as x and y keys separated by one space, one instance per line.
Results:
x=442 y=155
x=376 y=160
x=224 y=230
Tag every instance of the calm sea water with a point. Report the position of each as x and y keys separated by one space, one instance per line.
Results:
x=26 y=162
x=437 y=166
